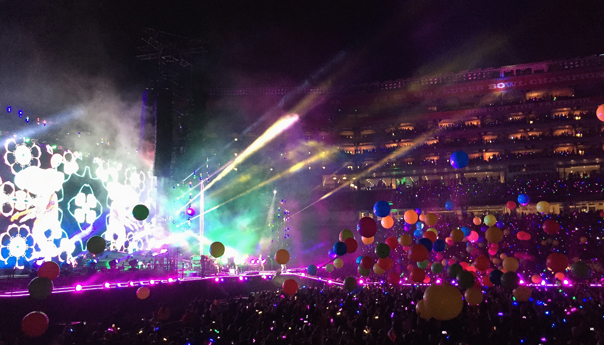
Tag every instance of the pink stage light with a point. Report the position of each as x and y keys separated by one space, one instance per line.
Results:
x=438 y=281
x=131 y=284
x=216 y=280
x=170 y=280
x=329 y=281
x=240 y=278
x=522 y=282
x=78 y=287
x=360 y=281
x=565 y=282
x=107 y=285
x=152 y=282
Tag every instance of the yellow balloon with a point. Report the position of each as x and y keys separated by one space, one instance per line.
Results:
x=473 y=296
x=329 y=268
x=377 y=269
x=433 y=230
x=421 y=310
x=543 y=207
x=522 y=293
x=431 y=219
x=338 y=263
x=457 y=235
x=493 y=234
x=443 y=302
x=477 y=221
x=405 y=240
x=387 y=222
x=510 y=264
x=367 y=240
x=490 y=220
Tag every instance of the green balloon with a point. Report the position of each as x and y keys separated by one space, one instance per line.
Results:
x=382 y=250
x=217 y=249
x=363 y=271
x=465 y=279
x=140 y=212
x=350 y=283
x=436 y=267
x=509 y=280
x=580 y=270
x=96 y=245
x=422 y=264
x=454 y=270
x=40 y=288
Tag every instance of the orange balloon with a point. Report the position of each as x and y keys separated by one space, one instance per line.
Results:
x=600 y=112
x=583 y=240
x=431 y=219
x=477 y=221
x=494 y=234
x=422 y=217
x=405 y=240
x=430 y=235
x=457 y=235
x=510 y=264
x=443 y=302
x=367 y=240
x=282 y=256
x=560 y=276
x=473 y=296
x=387 y=222
x=410 y=217
x=536 y=279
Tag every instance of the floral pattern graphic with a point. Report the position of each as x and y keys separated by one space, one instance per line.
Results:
x=21 y=156
x=16 y=246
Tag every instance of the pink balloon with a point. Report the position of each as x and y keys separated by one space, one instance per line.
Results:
x=452 y=261
x=473 y=236
x=438 y=256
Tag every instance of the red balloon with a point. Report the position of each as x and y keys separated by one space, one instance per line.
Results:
x=481 y=263
x=486 y=281
x=430 y=235
x=393 y=278
x=418 y=252
x=418 y=275
x=34 y=324
x=49 y=269
x=367 y=262
x=557 y=262
x=510 y=205
x=602 y=214
x=464 y=265
x=551 y=227
x=392 y=242
x=367 y=227
x=290 y=287
x=523 y=235
x=351 y=245
x=385 y=263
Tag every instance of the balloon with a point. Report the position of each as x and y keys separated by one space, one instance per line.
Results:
x=418 y=252
x=495 y=277
x=560 y=276
x=350 y=283
x=340 y=248
x=140 y=212
x=523 y=199
x=217 y=250
x=457 y=235
x=510 y=264
x=34 y=324
x=345 y=234
x=473 y=296
x=522 y=293
x=281 y=257
x=367 y=240
x=465 y=279
x=96 y=245
x=580 y=270
x=551 y=227
x=367 y=262
x=426 y=243
x=387 y=222
x=510 y=205
x=583 y=240
x=438 y=246
x=405 y=240
x=381 y=208
x=312 y=270
x=459 y=159
x=423 y=264
x=418 y=233
x=364 y=272
x=421 y=310
x=49 y=269
x=536 y=279
x=481 y=263
x=367 y=227
x=477 y=221
x=543 y=207
x=422 y=217
x=431 y=219
x=377 y=269
x=338 y=263
x=490 y=220
x=449 y=205
x=555 y=243
x=436 y=267
x=523 y=235
x=443 y=302
x=466 y=231
x=393 y=278
x=473 y=236
x=290 y=287
x=359 y=258
x=410 y=217
x=391 y=242
x=509 y=280
x=331 y=254
x=454 y=270
x=430 y=235
x=40 y=288
x=329 y=268
x=600 y=112
x=494 y=234
x=499 y=224
x=143 y=292
x=486 y=281
x=382 y=250
x=557 y=262
x=385 y=263
x=418 y=275
x=351 y=245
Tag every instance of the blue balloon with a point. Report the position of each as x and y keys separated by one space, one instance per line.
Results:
x=332 y=254
x=495 y=277
x=381 y=208
x=359 y=258
x=418 y=233
x=418 y=210
x=312 y=270
x=523 y=199
x=500 y=224
x=466 y=231
x=407 y=227
x=449 y=205
x=426 y=243
x=459 y=159
x=480 y=239
x=484 y=228
x=419 y=225
x=340 y=248
x=439 y=245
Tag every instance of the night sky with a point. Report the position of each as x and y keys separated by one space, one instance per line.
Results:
x=43 y=44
